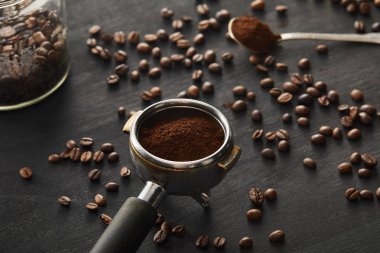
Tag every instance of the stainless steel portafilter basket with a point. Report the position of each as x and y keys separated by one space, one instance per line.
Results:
x=191 y=178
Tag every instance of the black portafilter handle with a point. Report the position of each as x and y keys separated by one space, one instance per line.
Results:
x=132 y=222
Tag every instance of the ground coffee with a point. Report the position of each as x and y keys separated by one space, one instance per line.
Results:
x=254 y=34
x=181 y=135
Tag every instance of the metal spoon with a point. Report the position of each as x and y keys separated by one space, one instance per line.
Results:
x=348 y=37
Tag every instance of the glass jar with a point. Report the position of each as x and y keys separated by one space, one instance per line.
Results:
x=34 y=61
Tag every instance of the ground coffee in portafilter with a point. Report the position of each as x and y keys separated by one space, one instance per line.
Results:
x=181 y=134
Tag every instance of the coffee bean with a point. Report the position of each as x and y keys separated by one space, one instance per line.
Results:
x=281 y=9
x=257 y=134
x=151 y=38
x=202 y=9
x=256 y=196
x=167 y=13
x=227 y=57
x=318 y=139
x=256 y=115
x=183 y=44
x=133 y=37
x=375 y=26
x=143 y=65
x=351 y=8
x=70 y=144
x=160 y=237
x=261 y=68
x=337 y=133
x=192 y=91
x=26 y=173
x=276 y=236
x=310 y=163
x=94 y=30
x=119 y=37
x=269 y=60
x=285 y=98
x=364 y=173
x=283 y=146
x=344 y=168
x=187 y=63
x=282 y=134
x=255 y=59
x=154 y=72
x=160 y=219
x=275 y=92
x=303 y=122
x=270 y=194
x=355 y=157
x=343 y=108
x=239 y=105
x=100 y=200
x=353 y=112
x=333 y=96
x=94 y=174
x=308 y=79
x=281 y=66
x=326 y=130
x=65 y=154
x=197 y=58
x=322 y=49
x=199 y=39
x=246 y=242
x=54 y=158
x=143 y=48
x=268 y=153
x=364 y=8
x=86 y=157
x=286 y=118
x=120 y=70
x=98 y=156
x=165 y=226
x=215 y=68
x=302 y=110
x=312 y=91
x=239 y=90
x=323 y=101
x=319 y=85
x=304 y=63
x=107 y=38
x=105 y=219
x=290 y=87
x=365 y=119
x=352 y=194
x=251 y=96
x=357 y=95
x=156 y=52
x=121 y=111
x=112 y=187
x=254 y=214
x=222 y=15
x=369 y=160
x=92 y=207
x=179 y=230
x=270 y=136
x=359 y=26
x=378 y=193
x=202 y=242
x=305 y=99
x=346 y=121
x=208 y=88
x=369 y=109
x=209 y=56
x=266 y=83
x=113 y=80
x=165 y=62
x=354 y=134
x=75 y=154
x=219 y=242
x=186 y=19
x=64 y=200
x=366 y=195
x=86 y=142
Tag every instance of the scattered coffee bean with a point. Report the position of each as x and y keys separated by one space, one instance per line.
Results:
x=281 y=9
x=100 y=200
x=179 y=230
x=174 y=37
x=286 y=118
x=133 y=38
x=256 y=115
x=291 y=87
x=113 y=157
x=323 y=101
x=65 y=154
x=267 y=83
x=121 y=69
x=357 y=95
x=345 y=168
x=282 y=134
x=337 y=133
x=219 y=242
x=352 y=194
x=227 y=57
x=202 y=242
x=239 y=90
x=246 y=242
x=310 y=163
x=285 y=98
x=107 y=38
x=254 y=214
x=369 y=160
x=160 y=237
x=305 y=99
x=215 y=68
x=202 y=9
x=369 y=109
x=199 y=39
x=359 y=26
x=270 y=194
x=283 y=146
x=105 y=218
x=322 y=49
x=366 y=195
x=364 y=173
x=92 y=207
x=308 y=79
x=239 y=105
x=333 y=96
x=275 y=92
x=187 y=63
x=302 y=110
x=183 y=44
x=64 y=200
x=54 y=158
x=312 y=91
x=121 y=111
x=378 y=193
x=70 y=144
x=119 y=37
x=276 y=236
x=165 y=226
x=75 y=154
x=326 y=130
x=318 y=139
x=125 y=172
x=261 y=68
x=151 y=38
x=346 y=121
x=255 y=59
x=94 y=30
x=303 y=121
x=26 y=173
x=94 y=174
x=257 y=134
x=135 y=76
x=355 y=157
x=281 y=66
x=319 y=85
x=192 y=91
x=222 y=15
x=165 y=62
x=375 y=26
x=113 y=80
x=86 y=157
x=208 y=88
x=166 y=13
x=354 y=134
x=143 y=65
x=143 y=48
x=98 y=156
x=86 y=142
x=268 y=153
x=112 y=187
x=107 y=147
x=365 y=119
x=270 y=136
x=154 y=72
x=251 y=96
x=304 y=63
x=256 y=196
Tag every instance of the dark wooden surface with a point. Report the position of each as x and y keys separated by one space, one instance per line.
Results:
x=311 y=207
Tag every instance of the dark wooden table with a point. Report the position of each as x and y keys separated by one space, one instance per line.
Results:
x=311 y=207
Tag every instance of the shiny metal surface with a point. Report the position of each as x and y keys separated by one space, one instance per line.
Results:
x=152 y=193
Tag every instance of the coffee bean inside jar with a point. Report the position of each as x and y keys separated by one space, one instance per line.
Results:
x=33 y=52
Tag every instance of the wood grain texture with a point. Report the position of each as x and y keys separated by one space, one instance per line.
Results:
x=311 y=207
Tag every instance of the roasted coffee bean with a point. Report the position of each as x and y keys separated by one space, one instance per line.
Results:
x=202 y=242
x=92 y=207
x=192 y=91
x=352 y=194
x=187 y=63
x=160 y=237
x=254 y=214
x=343 y=108
x=214 y=24
x=166 y=13
x=365 y=119
x=304 y=63
x=107 y=38
x=378 y=193
x=70 y=144
x=308 y=79
x=351 y=8
x=369 y=160
x=276 y=236
x=154 y=72
x=26 y=173
x=86 y=157
x=183 y=44
x=261 y=68
x=160 y=219
x=120 y=56
x=94 y=174
x=281 y=66
x=305 y=99
x=257 y=134
x=369 y=109
x=197 y=58
x=121 y=69
x=100 y=200
x=375 y=26
x=54 y=158
x=269 y=60
x=357 y=95
x=302 y=110
x=186 y=19
x=326 y=130
x=75 y=154
x=215 y=68
x=113 y=157
x=246 y=242
x=64 y=200
x=303 y=121
x=156 y=52
x=337 y=133
x=282 y=134
x=290 y=87
x=177 y=58
x=143 y=65
x=239 y=90
x=133 y=37
x=283 y=146
x=346 y=121
x=165 y=226
x=227 y=57
x=239 y=105
x=258 y=5
x=251 y=96
x=165 y=62
x=266 y=83
x=151 y=38
x=125 y=172
x=270 y=194
x=65 y=154
x=179 y=230
x=309 y=163
x=286 y=118
x=353 y=112
x=119 y=37
x=333 y=96
x=270 y=136
x=98 y=156
x=319 y=85
x=191 y=51
x=322 y=49
x=281 y=9
x=256 y=196
x=314 y=92
x=354 y=134
x=256 y=115
x=155 y=91
x=366 y=195
x=94 y=30
x=106 y=219
x=143 y=48
x=275 y=92
x=105 y=54
x=285 y=98
x=203 y=25
x=255 y=59
x=359 y=26
x=86 y=142
x=113 y=80
x=199 y=39
x=112 y=187
x=208 y=88
x=344 y=168
x=355 y=157
x=364 y=173
x=203 y=9
x=174 y=37
x=222 y=15
x=219 y=242
x=318 y=139
x=323 y=101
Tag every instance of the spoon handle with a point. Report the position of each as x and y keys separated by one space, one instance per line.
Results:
x=366 y=38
